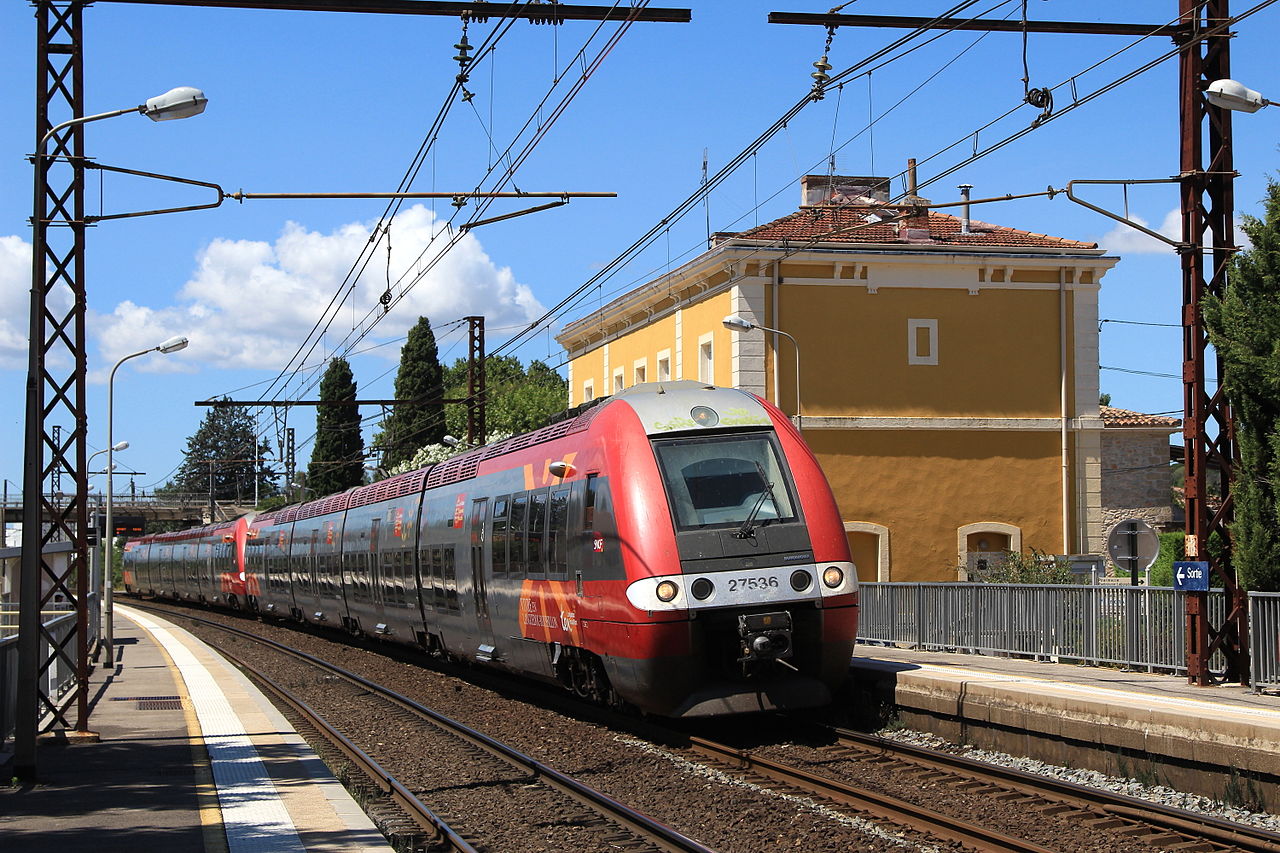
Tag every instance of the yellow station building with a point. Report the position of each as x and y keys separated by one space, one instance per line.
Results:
x=948 y=368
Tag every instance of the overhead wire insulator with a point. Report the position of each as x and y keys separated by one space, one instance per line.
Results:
x=821 y=77
x=463 y=47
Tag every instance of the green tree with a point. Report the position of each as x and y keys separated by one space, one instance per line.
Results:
x=1244 y=328
x=518 y=399
x=220 y=456
x=337 y=461
x=420 y=378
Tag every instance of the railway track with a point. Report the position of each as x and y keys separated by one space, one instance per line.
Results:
x=1103 y=813
x=947 y=801
x=616 y=826
x=1156 y=824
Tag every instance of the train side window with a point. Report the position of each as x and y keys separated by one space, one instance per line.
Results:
x=515 y=534
x=589 y=504
x=450 y=579
x=558 y=547
x=537 y=553
x=437 y=577
x=500 y=535
x=400 y=563
x=424 y=566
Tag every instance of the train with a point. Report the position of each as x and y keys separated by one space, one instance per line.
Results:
x=673 y=548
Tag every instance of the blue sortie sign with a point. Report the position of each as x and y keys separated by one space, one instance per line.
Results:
x=1191 y=576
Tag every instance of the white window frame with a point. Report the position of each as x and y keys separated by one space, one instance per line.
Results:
x=664 y=360
x=619 y=380
x=588 y=391
x=640 y=371
x=913 y=335
x=706 y=346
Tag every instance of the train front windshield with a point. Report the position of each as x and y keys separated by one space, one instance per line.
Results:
x=724 y=480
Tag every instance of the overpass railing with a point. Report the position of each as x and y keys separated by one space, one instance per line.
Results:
x=1138 y=627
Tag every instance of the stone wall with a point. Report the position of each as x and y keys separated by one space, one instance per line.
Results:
x=1135 y=476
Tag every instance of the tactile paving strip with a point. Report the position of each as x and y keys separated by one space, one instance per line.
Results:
x=254 y=818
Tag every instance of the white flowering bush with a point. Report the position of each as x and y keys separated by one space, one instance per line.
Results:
x=435 y=453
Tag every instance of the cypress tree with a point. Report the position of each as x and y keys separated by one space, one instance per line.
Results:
x=1244 y=327
x=337 y=461
x=420 y=378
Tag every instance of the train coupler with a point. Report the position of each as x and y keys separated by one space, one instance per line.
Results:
x=764 y=637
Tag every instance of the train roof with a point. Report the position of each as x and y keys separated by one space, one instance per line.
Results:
x=689 y=406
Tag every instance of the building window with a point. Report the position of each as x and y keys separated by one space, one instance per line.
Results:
x=588 y=392
x=618 y=383
x=664 y=366
x=640 y=369
x=706 y=361
x=922 y=342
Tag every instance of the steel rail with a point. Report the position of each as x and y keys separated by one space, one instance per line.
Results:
x=1214 y=830
x=662 y=836
x=901 y=812
x=417 y=810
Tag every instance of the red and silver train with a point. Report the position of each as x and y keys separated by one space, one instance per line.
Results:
x=674 y=547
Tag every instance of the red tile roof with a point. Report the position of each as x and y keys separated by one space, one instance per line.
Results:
x=1113 y=417
x=848 y=224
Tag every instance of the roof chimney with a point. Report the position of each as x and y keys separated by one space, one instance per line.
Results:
x=914 y=225
x=964 y=210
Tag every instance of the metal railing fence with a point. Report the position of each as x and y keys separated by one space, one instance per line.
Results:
x=1140 y=627
x=58 y=678
x=1264 y=639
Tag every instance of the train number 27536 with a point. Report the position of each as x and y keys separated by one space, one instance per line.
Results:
x=736 y=584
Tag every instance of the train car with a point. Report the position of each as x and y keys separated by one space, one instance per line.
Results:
x=674 y=548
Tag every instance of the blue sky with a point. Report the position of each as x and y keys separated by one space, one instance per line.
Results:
x=322 y=102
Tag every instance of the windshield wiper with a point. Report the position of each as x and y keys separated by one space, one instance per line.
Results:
x=748 y=528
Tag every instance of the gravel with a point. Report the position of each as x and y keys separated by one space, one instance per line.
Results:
x=1129 y=787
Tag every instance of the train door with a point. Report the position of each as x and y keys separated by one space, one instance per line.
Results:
x=479 y=583
x=507 y=549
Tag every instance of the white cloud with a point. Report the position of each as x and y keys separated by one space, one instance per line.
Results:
x=15 y=306
x=251 y=303
x=1125 y=240
x=15 y=301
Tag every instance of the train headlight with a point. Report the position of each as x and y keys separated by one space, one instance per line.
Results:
x=702 y=589
x=704 y=417
x=800 y=580
x=832 y=576
x=667 y=590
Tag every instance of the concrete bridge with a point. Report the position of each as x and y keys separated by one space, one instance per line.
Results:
x=193 y=509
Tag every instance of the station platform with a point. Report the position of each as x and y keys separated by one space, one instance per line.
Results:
x=1120 y=722
x=191 y=757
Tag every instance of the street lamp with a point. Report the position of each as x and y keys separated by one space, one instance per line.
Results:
x=1231 y=95
x=119 y=445
x=735 y=323
x=108 y=633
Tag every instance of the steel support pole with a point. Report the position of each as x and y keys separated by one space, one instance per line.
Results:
x=1207 y=203
x=56 y=339
x=476 y=390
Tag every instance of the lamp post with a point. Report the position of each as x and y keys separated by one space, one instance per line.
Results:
x=108 y=632
x=51 y=333
x=740 y=324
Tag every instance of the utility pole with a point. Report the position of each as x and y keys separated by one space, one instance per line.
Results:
x=1208 y=205
x=289 y=460
x=476 y=389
